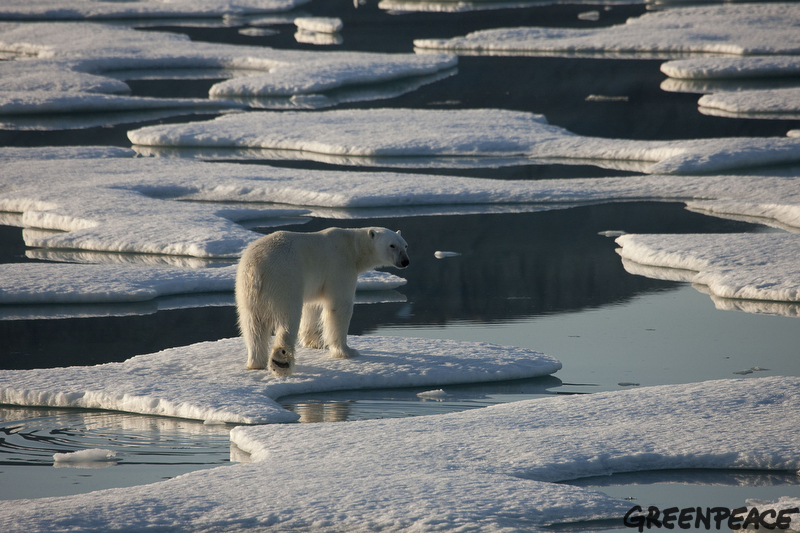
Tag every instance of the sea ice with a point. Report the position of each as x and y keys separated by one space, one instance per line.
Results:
x=69 y=66
x=739 y=29
x=750 y=266
x=481 y=470
x=92 y=455
x=141 y=9
x=208 y=381
x=319 y=24
x=458 y=133
x=779 y=104
x=40 y=283
x=725 y=67
x=130 y=205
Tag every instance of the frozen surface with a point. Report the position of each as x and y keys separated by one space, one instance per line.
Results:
x=38 y=283
x=99 y=10
x=93 y=455
x=739 y=29
x=481 y=470
x=130 y=205
x=742 y=266
x=452 y=133
x=319 y=24
x=208 y=381
x=732 y=67
x=776 y=104
x=68 y=67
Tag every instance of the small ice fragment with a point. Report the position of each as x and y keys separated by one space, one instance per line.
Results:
x=612 y=233
x=589 y=15
x=604 y=98
x=442 y=255
x=627 y=384
x=744 y=372
x=93 y=455
x=258 y=32
x=793 y=133
x=319 y=24
x=759 y=369
x=437 y=394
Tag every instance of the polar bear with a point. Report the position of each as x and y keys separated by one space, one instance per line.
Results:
x=303 y=284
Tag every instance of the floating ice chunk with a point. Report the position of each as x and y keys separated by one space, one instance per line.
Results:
x=754 y=266
x=442 y=255
x=627 y=384
x=589 y=15
x=612 y=233
x=87 y=58
x=318 y=38
x=94 y=455
x=258 y=32
x=780 y=104
x=437 y=394
x=793 y=133
x=603 y=98
x=319 y=24
x=458 y=133
x=208 y=381
x=141 y=9
x=40 y=283
x=675 y=427
x=706 y=68
x=43 y=102
x=754 y=29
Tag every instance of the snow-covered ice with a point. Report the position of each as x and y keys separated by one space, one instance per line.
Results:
x=92 y=455
x=750 y=266
x=458 y=133
x=319 y=24
x=726 y=67
x=208 y=381
x=779 y=104
x=140 y=9
x=481 y=470
x=67 y=67
x=38 y=283
x=738 y=29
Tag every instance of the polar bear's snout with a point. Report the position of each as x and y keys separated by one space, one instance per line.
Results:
x=402 y=260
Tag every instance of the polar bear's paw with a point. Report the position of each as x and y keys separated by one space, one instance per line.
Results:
x=281 y=362
x=344 y=352
x=313 y=342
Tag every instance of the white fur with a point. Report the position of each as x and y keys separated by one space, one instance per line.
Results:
x=303 y=284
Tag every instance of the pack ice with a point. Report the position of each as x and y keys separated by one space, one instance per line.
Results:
x=208 y=381
x=489 y=469
x=458 y=133
x=740 y=29
x=79 y=67
x=141 y=9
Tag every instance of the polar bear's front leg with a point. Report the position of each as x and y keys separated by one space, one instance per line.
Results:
x=335 y=323
x=311 y=326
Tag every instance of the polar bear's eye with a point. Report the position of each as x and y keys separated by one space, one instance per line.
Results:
x=391 y=246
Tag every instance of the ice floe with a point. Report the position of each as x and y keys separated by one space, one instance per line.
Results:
x=783 y=104
x=93 y=455
x=751 y=266
x=319 y=24
x=484 y=470
x=208 y=381
x=69 y=67
x=738 y=29
x=141 y=9
x=458 y=133
x=131 y=205
x=38 y=283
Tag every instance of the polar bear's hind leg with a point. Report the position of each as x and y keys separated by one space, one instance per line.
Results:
x=311 y=326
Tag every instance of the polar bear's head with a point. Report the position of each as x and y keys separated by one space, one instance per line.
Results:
x=390 y=247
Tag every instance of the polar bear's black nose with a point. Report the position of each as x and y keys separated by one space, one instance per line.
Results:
x=404 y=262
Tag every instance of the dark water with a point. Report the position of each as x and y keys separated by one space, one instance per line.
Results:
x=543 y=280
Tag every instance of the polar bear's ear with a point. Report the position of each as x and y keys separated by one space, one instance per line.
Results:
x=398 y=232
x=371 y=233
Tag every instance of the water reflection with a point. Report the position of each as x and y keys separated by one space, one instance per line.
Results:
x=147 y=449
